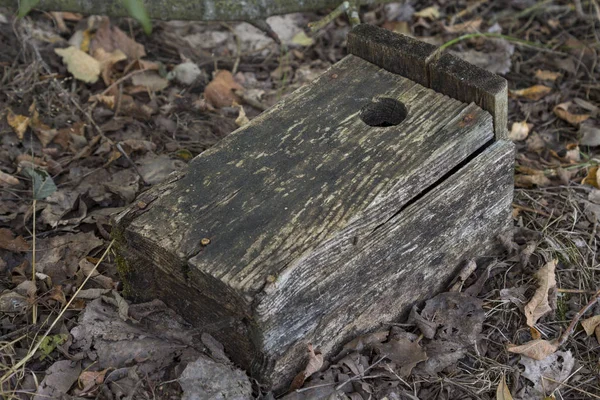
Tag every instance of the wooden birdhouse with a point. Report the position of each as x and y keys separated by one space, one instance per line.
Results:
x=334 y=211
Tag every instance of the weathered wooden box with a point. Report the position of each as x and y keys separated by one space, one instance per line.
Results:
x=334 y=211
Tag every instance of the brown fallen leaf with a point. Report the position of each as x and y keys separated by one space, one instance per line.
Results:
x=107 y=61
x=562 y=112
x=42 y=131
x=18 y=123
x=404 y=352
x=529 y=181
x=502 y=392
x=219 y=92
x=8 y=179
x=592 y=178
x=590 y=324
x=539 y=305
x=535 y=92
x=537 y=349
x=111 y=38
x=88 y=380
x=465 y=27
x=519 y=131
x=315 y=362
x=9 y=242
x=547 y=75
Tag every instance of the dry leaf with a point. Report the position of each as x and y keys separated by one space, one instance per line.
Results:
x=465 y=27
x=539 y=306
x=315 y=362
x=112 y=38
x=562 y=112
x=592 y=178
x=10 y=243
x=150 y=80
x=590 y=135
x=535 y=92
x=546 y=374
x=18 y=123
x=429 y=12
x=590 y=324
x=107 y=60
x=83 y=66
x=8 y=179
x=529 y=181
x=241 y=119
x=547 y=75
x=536 y=349
x=502 y=392
x=404 y=352
x=108 y=101
x=219 y=92
x=519 y=131
x=43 y=132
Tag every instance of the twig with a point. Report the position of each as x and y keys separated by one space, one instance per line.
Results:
x=124 y=154
x=563 y=338
x=571 y=387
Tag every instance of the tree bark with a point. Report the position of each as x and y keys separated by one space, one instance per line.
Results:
x=198 y=10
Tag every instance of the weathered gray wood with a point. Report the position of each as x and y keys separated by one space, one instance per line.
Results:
x=446 y=73
x=463 y=81
x=394 y=52
x=309 y=225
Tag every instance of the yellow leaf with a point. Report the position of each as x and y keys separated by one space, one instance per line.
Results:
x=535 y=92
x=537 y=349
x=502 y=392
x=429 y=12
x=590 y=324
x=83 y=66
x=519 y=131
x=539 y=306
x=544 y=75
x=592 y=178
x=302 y=39
x=562 y=112
x=18 y=123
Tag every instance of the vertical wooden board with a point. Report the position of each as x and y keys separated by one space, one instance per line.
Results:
x=394 y=52
x=464 y=81
x=336 y=293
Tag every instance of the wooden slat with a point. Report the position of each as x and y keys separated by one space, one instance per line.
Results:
x=444 y=73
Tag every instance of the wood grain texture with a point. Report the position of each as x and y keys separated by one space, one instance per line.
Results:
x=445 y=73
x=318 y=224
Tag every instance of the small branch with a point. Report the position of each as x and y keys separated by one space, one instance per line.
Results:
x=563 y=338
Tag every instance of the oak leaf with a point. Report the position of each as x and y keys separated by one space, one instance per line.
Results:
x=539 y=305
x=537 y=349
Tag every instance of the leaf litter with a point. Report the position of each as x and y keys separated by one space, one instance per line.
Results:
x=66 y=132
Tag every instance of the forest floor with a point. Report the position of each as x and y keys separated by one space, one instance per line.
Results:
x=93 y=112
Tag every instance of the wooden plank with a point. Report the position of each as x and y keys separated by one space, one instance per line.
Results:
x=443 y=73
x=464 y=81
x=394 y=52
x=403 y=262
